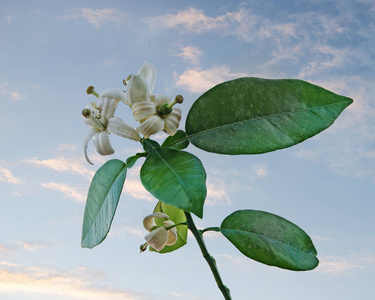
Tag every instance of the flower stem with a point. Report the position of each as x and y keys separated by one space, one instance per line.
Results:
x=210 y=260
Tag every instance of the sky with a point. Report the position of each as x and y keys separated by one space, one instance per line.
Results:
x=51 y=51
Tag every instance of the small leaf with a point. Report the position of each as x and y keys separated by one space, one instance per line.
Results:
x=130 y=161
x=255 y=115
x=177 y=216
x=104 y=194
x=149 y=145
x=176 y=178
x=177 y=141
x=270 y=239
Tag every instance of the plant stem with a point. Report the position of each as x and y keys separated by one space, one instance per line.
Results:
x=217 y=229
x=210 y=260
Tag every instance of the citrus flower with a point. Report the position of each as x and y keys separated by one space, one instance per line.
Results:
x=154 y=112
x=100 y=117
x=159 y=236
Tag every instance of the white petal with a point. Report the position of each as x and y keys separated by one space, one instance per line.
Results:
x=157 y=238
x=114 y=93
x=137 y=89
x=148 y=222
x=108 y=106
x=117 y=126
x=90 y=134
x=151 y=126
x=160 y=99
x=143 y=110
x=148 y=72
x=172 y=233
x=172 y=121
x=102 y=144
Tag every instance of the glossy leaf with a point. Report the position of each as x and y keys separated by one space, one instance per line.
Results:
x=104 y=194
x=270 y=239
x=176 y=178
x=149 y=145
x=177 y=141
x=177 y=216
x=255 y=115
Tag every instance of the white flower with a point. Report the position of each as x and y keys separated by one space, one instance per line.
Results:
x=154 y=112
x=159 y=237
x=100 y=117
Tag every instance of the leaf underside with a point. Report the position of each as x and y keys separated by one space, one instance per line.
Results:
x=102 y=199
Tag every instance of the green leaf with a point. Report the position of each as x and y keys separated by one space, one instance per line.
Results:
x=255 y=115
x=102 y=200
x=149 y=145
x=177 y=216
x=130 y=161
x=177 y=141
x=176 y=178
x=270 y=239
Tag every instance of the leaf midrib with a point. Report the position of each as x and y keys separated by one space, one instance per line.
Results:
x=258 y=118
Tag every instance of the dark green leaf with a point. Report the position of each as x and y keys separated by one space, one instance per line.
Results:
x=255 y=115
x=177 y=216
x=102 y=200
x=270 y=239
x=176 y=178
x=149 y=145
x=130 y=161
x=177 y=141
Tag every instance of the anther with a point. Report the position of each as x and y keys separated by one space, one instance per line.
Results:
x=90 y=90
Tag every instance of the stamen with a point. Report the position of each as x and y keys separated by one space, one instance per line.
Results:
x=90 y=90
x=177 y=99
x=124 y=82
x=143 y=247
x=87 y=114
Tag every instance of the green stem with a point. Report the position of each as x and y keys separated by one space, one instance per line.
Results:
x=210 y=260
x=217 y=229
x=174 y=225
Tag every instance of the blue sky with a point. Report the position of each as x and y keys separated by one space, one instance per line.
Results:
x=51 y=51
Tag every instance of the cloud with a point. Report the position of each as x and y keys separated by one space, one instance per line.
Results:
x=217 y=192
x=190 y=54
x=12 y=94
x=261 y=171
x=30 y=246
x=78 y=283
x=7 y=176
x=98 y=17
x=191 y=19
x=197 y=80
x=338 y=265
x=68 y=191
x=134 y=187
x=61 y=164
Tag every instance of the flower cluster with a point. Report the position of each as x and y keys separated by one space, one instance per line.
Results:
x=159 y=236
x=155 y=113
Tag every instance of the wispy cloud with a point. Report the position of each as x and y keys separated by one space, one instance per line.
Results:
x=68 y=191
x=338 y=265
x=30 y=246
x=217 y=192
x=197 y=80
x=11 y=93
x=7 y=176
x=190 y=54
x=97 y=17
x=62 y=164
x=80 y=283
